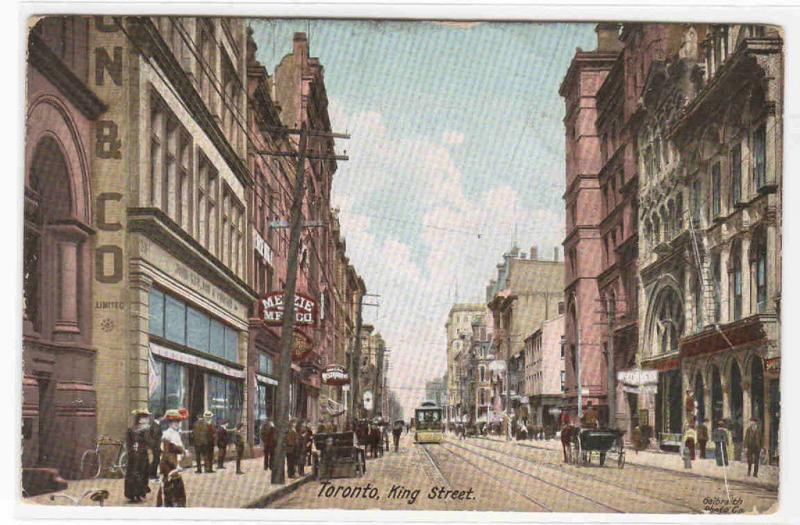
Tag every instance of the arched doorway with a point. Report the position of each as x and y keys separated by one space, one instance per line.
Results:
x=700 y=396
x=736 y=403
x=716 y=396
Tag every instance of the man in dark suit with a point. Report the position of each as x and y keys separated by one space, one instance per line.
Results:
x=203 y=434
x=222 y=443
x=267 y=435
x=752 y=444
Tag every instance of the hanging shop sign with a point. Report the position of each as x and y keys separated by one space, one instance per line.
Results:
x=368 y=400
x=637 y=377
x=335 y=375
x=301 y=346
x=773 y=364
x=270 y=309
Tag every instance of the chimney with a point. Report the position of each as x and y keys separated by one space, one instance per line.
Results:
x=608 y=37
x=534 y=253
x=555 y=253
x=300 y=44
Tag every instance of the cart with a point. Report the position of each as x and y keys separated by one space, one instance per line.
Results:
x=587 y=442
x=337 y=456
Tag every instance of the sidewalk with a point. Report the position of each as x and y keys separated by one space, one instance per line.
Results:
x=768 y=475
x=223 y=489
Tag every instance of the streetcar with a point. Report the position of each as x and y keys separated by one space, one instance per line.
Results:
x=429 y=424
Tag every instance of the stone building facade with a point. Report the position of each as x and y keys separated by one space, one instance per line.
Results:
x=544 y=373
x=710 y=218
x=458 y=327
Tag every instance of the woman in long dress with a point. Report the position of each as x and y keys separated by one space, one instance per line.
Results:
x=172 y=492
x=137 y=441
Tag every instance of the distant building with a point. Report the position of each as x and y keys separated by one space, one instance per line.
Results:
x=436 y=391
x=545 y=373
x=458 y=327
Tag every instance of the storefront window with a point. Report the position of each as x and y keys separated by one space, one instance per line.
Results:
x=224 y=399
x=264 y=407
x=197 y=333
x=169 y=387
x=175 y=321
x=156 y=308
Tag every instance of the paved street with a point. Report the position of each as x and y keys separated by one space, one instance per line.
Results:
x=505 y=476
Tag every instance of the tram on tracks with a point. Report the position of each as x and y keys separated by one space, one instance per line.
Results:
x=429 y=427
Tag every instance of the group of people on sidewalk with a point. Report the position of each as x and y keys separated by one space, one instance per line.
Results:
x=697 y=436
x=155 y=447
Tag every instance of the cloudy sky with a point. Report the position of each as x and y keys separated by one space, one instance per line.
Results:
x=457 y=150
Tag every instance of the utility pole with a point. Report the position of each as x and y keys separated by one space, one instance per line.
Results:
x=278 y=475
x=287 y=326
x=611 y=396
x=356 y=366
x=508 y=388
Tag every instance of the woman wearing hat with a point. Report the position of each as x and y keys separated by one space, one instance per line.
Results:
x=172 y=492
x=138 y=444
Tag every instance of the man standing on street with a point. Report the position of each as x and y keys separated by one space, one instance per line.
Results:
x=702 y=437
x=752 y=444
x=291 y=443
x=267 y=434
x=397 y=429
x=238 y=441
x=721 y=438
x=203 y=432
x=222 y=444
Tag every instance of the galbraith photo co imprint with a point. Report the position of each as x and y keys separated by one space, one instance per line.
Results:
x=284 y=263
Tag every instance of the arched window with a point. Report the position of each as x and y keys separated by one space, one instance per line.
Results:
x=758 y=261
x=736 y=280
x=668 y=322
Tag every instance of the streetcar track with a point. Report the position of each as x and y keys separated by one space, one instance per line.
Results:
x=740 y=486
x=498 y=480
x=588 y=475
x=546 y=482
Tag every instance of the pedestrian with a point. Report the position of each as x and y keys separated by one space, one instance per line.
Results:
x=702 y=437
x=309 y=444
x=292 y=444
x=636 y=439
x=172 y=492
x=375 y=441
x=752 y=445
x=690 y=439
x=137 y=444
x=566 y=440
x=222 y=443
x=154 y=437
x=202 y=432
x=590 y=416
x=721 y=438
x=301 y=447
x=267 y=435
x=397 y=430
x=238 y=442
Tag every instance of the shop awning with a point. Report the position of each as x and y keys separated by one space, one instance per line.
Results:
x=193 y=360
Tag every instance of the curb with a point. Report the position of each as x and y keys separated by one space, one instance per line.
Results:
x=759 y=484
x=271 y=497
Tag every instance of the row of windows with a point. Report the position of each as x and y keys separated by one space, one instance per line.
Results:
x=175 y=321
x=193 y=202
x=735 y=172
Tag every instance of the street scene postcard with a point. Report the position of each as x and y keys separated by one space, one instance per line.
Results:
x=401 y=265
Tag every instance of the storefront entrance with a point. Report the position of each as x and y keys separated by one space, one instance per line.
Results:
x=716 y=397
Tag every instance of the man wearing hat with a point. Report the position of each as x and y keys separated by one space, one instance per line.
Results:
x=203 y=434
x=172 y=492
x=721 y=440
x=752 y=444
x=138 y=443
x=702 y=437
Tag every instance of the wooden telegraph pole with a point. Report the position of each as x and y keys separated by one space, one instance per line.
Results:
x=287 y=326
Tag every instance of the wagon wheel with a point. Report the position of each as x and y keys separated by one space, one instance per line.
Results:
x=621 y=459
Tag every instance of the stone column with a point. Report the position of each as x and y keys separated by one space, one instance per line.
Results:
x=747 y=301
x=724 y=282
x=68 y=238
x=772 y=267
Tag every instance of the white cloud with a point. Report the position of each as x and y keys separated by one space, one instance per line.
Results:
x=453 y=137
x=415 y=266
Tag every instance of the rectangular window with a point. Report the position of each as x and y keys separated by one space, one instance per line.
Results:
x=716 y=202
x=231 y=345
x=697 y=204
x=760 y=157
x=217 y=339
x=156 y=308
x=563 y=381
x=265 y=364
x=736 y=277
x=761 y=282
x=698 y=305
x=716 y=269
x=736 y=174
x=175 y=321
x=224 y=398
x=197 y=330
